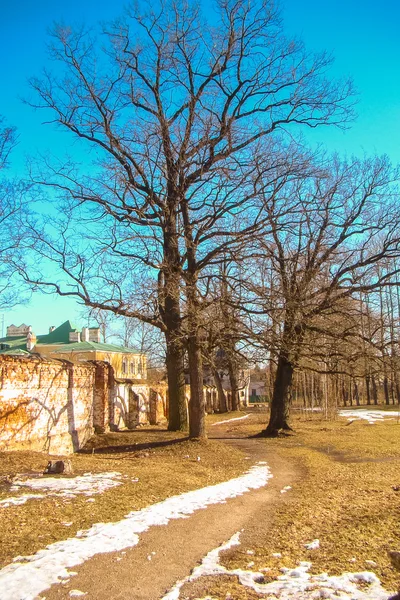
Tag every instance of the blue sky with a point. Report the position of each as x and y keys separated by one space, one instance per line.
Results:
x=362 y=35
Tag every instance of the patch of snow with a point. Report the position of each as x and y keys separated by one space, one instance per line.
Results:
x=209 y=566
x=76 y=593
x=277 y=555
x=371 y=563
x=34 y=574
x=372 y=416
x=286 y=489
x=64 y=487
x=314 y=545
x=19 y=500
x=230 y=420
x=294 y=584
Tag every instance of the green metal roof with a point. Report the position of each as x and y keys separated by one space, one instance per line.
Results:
x=15 y=352
x=60 y=335
x=13 y=342
x=94 y=347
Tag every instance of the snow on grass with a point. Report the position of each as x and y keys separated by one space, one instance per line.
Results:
x=88 y=484
x=372 y=416
x=230 y=420
x=209 y=566
x=292 y=584
x=18 y=500
x=25 y=579
x=314 y=545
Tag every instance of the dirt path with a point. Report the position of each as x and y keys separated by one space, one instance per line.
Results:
x=174 y=549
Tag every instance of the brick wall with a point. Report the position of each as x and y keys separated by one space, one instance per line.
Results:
x=54 y=406
x=45 y=405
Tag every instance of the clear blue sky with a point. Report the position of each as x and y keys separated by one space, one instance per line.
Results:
x=362 y=35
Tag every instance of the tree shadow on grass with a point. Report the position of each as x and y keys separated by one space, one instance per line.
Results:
x=120 y=449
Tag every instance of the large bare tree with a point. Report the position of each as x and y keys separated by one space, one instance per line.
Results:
x=326 y=233
x=172 y=105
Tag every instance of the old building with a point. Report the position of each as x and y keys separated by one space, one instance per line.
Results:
x=113 y=391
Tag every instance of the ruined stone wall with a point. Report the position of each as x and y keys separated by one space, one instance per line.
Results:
x=104 y=391
x=138 y=404
x=45 y=405
x=55 y=405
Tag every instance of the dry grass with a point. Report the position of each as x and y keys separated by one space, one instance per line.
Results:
x=345 y=496
x=345 y=499
x=164 y=462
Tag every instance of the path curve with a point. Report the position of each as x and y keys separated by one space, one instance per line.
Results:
x=138 y=574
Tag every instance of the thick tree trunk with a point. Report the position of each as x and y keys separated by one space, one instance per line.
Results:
x=223 y=406
x=177 y=412
x=196 y=405
x=281 y=398
x=169 y=294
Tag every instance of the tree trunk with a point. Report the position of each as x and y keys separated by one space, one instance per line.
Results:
x=368 y=390
x=344 y=393
x=223 y=406
x=386 y=389
x=281 y=398
x=169 y=301
x=233 y=380
x=356 y=393
x=374 y=390
x=304 y=390
x=196 y=405
x=197 y=429
x=177 y=411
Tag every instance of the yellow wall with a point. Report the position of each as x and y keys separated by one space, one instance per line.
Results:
x=126 y=366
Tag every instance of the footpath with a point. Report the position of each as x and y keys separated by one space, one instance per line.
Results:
x=168 y=553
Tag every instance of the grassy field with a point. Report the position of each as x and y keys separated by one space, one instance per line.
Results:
x=164 y=463
x=347 y=494
x=348 y=497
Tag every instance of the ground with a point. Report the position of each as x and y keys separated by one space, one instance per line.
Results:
x=333 y=481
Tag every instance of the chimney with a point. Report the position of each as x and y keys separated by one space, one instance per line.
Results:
x=51 y=328
x=74 y=336
x=85 y=334
x=94 y=334
x=30 y=341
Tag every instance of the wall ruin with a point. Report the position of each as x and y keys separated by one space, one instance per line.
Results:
x=55 y=406
x=45 y=405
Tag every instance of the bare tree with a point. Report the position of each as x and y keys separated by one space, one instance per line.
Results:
x=174 y=111
x=326 y=234
x=11 y=203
